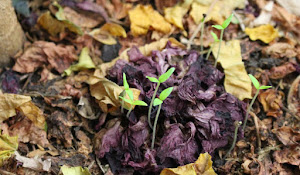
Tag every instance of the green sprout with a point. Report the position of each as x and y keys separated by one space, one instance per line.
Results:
x=164 y=77
x=222 y=28
x=158 y=101
x=131 y=100
x=257 y=87
x=215 y=41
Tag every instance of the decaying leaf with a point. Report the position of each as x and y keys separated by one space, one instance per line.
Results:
x=288 y=136
x=237 y=81
x=84 y=62
x=282 y=71
x=34 y=163
x=289 y=155
x=74 y=170
x=8 y=145
x=175 y=14
x=107 y=32
x=143 y=17
x=203 y=166
x=272 y=102
x=81 y=19
x=293 y=97
x=220 y=11
x=265 y=33
x=280 y=49
x=9 y=103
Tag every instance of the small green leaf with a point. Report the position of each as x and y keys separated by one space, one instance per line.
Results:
x=214 y=36
x=130 y=93
x=152 y=79
x=126 y=100
x=254 y=81
x=166 y=75
x=139 y=103
x=157 y=102
x=227 y=22
x=265 y=87
x=125 y=84
x=218 y=27
x=165 y=93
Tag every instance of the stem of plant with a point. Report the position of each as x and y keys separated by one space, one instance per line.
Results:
x=237 y=125
x=128 y=113
x=249 y=108
x=122 y=106
x=154 y=126
x=150 y=107
x=221 y=38
x=209 y=51
x=201 y=38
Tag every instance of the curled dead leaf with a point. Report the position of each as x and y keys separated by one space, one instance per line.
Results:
x=272 y=102
x=294 y=96
x=282 y=71
x=288 y=136
x=279 y=50
x=265 y=33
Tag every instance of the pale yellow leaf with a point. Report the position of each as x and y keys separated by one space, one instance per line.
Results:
x=103 y=36
x=265 y=33
x=237 y=81
x=8 y=145
x=75 y=170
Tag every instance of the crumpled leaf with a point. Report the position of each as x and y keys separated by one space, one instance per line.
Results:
x=143 y=17
x=34 y=163
x=272 y=102
x=9 y=103
x=203 y=166
x=58 y=57
x=81 y=19
x=293 y=97
x=74 y=170
x=237 y=81
x=8 y=145
x=107 y=32
x=107 y=93
x=288 y=136
x=30 y=110
x=280 y=49
x=84 y=62
x=288 y=155
x=220 y=11
x=282 y=70
x=265 y=33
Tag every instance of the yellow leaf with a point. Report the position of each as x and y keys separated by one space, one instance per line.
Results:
x=8 y=145
x=175 y=15
x=9 y=103
x=114 y=29
x=74 y=170
x=107 y=93
x=220 y=11
x=203 y=166
x=237 y=81
x=143 y=17
x=265 y=33
x=103 y=36
x=84 y=62
x=34 y=113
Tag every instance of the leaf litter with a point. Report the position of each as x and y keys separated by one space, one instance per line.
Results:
x=74 y=125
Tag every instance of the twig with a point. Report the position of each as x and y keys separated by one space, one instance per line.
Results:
x=237 y=124
x=199 y=26
x=239 y=20
x=257 y=129
x=100 y=166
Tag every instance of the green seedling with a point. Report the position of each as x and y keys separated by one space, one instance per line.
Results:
x=202 y=32
x=215 y=41
x=222 y=28
x=257 y=87
x=131 y=100
x=164 y=77
x=158 y=101
x=237 y=124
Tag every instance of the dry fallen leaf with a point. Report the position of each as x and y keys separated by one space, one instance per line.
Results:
x=74 y=170
x=280 y=49
x=81 y=19
x=288 y=136
x=265 y=33
x=203 y=166
x=143 y=17
x=289 y=155
x=175 y=14
x=8 y=145
x=281 y=71
x=272 y=102
x=9 y=103
x=237 y=81
x=34 y=163
x=31 y=111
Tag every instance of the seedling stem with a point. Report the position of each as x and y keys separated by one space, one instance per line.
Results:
x=220 y=43
x=151 y=104
x=154 y=128
x=249 y=108
x=237 y=124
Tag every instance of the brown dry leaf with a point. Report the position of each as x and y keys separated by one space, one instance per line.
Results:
x=265 y=33
x=28 y=132
x=272 y=102
x=107 y=32
x=117 y=9
x=281 y=71
x=31 y=111
x=107 y=93
x=52 y=25
x=220 y=11
x=254 y=167
x=35 y=163
x=9 y=103
x=288 y=136
x=81 y=19
x=290 y=155
x=143 y=17
x=280 y=49
x=84 y=146
x=41 y=52
x=294 y=96
x=203 y=166
x=161 y=5
x=237 y=81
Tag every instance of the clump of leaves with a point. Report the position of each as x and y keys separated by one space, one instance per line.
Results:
x=222 y=28
x=164 y=77
x=257 y=87
x=215 y=41
x=158 y=101
x=129 y=100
